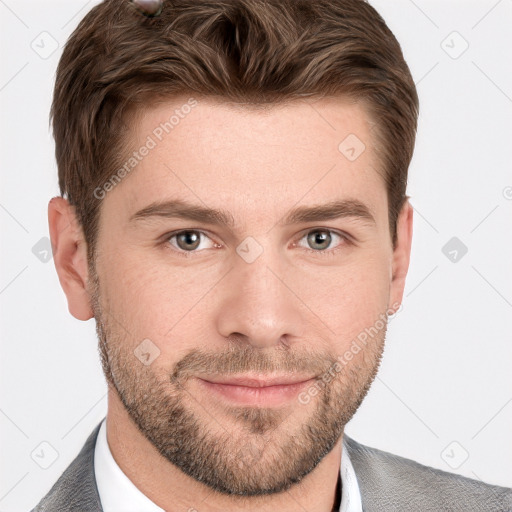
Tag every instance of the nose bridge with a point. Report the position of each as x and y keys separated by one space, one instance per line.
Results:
x=258 y=304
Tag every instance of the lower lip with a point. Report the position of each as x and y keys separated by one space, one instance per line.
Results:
x=269 y=396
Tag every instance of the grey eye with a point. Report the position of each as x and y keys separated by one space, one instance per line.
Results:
x=319 y=240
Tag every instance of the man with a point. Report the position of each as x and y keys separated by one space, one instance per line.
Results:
x=236 y=221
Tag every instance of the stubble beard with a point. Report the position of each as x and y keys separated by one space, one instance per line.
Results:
x=253 y=450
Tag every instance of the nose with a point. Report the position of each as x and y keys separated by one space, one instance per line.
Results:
x=258 y=304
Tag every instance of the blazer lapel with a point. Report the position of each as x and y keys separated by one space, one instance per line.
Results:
x=75 y=490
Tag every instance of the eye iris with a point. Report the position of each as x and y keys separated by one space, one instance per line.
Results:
x=188 y=237
x=319 y=237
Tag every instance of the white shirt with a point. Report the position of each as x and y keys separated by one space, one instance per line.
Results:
x=119 y=494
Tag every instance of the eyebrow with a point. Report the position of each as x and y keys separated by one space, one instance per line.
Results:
x=180 y=209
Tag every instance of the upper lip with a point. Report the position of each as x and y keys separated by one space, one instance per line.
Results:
x=259 y=381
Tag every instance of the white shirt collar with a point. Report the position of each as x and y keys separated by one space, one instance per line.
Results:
x=119 y=494
x=350 y=493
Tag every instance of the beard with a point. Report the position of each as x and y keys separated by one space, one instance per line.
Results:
x=234 y=450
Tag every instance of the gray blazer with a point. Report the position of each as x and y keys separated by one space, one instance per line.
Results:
x=387 y=483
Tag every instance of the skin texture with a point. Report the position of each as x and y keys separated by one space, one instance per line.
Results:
x=294 y=310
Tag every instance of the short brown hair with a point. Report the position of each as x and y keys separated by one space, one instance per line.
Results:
x=118 y=61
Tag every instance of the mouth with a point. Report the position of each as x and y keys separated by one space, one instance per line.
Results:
x=256 y=390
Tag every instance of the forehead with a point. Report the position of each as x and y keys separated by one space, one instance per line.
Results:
x=256 y=161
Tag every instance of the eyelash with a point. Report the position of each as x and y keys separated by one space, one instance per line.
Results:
x=345 y=240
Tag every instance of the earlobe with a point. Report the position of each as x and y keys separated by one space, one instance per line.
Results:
x=70 y=256
x=401 y=253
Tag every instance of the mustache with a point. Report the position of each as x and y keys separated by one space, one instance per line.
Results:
x=237 y=360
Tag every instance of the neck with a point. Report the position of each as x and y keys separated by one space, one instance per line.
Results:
x=172 y=490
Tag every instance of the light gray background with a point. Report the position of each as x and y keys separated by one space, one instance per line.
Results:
x=444 y=392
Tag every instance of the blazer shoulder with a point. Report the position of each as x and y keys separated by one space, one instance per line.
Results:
x=404 y=484
x=75 y=490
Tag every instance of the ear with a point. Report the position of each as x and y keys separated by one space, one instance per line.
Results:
x=401 y=255
x=70 y=256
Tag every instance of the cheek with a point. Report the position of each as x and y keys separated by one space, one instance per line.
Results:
x=352 y=298
x=155 y=300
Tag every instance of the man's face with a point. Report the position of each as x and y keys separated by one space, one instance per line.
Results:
x=266 y=296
